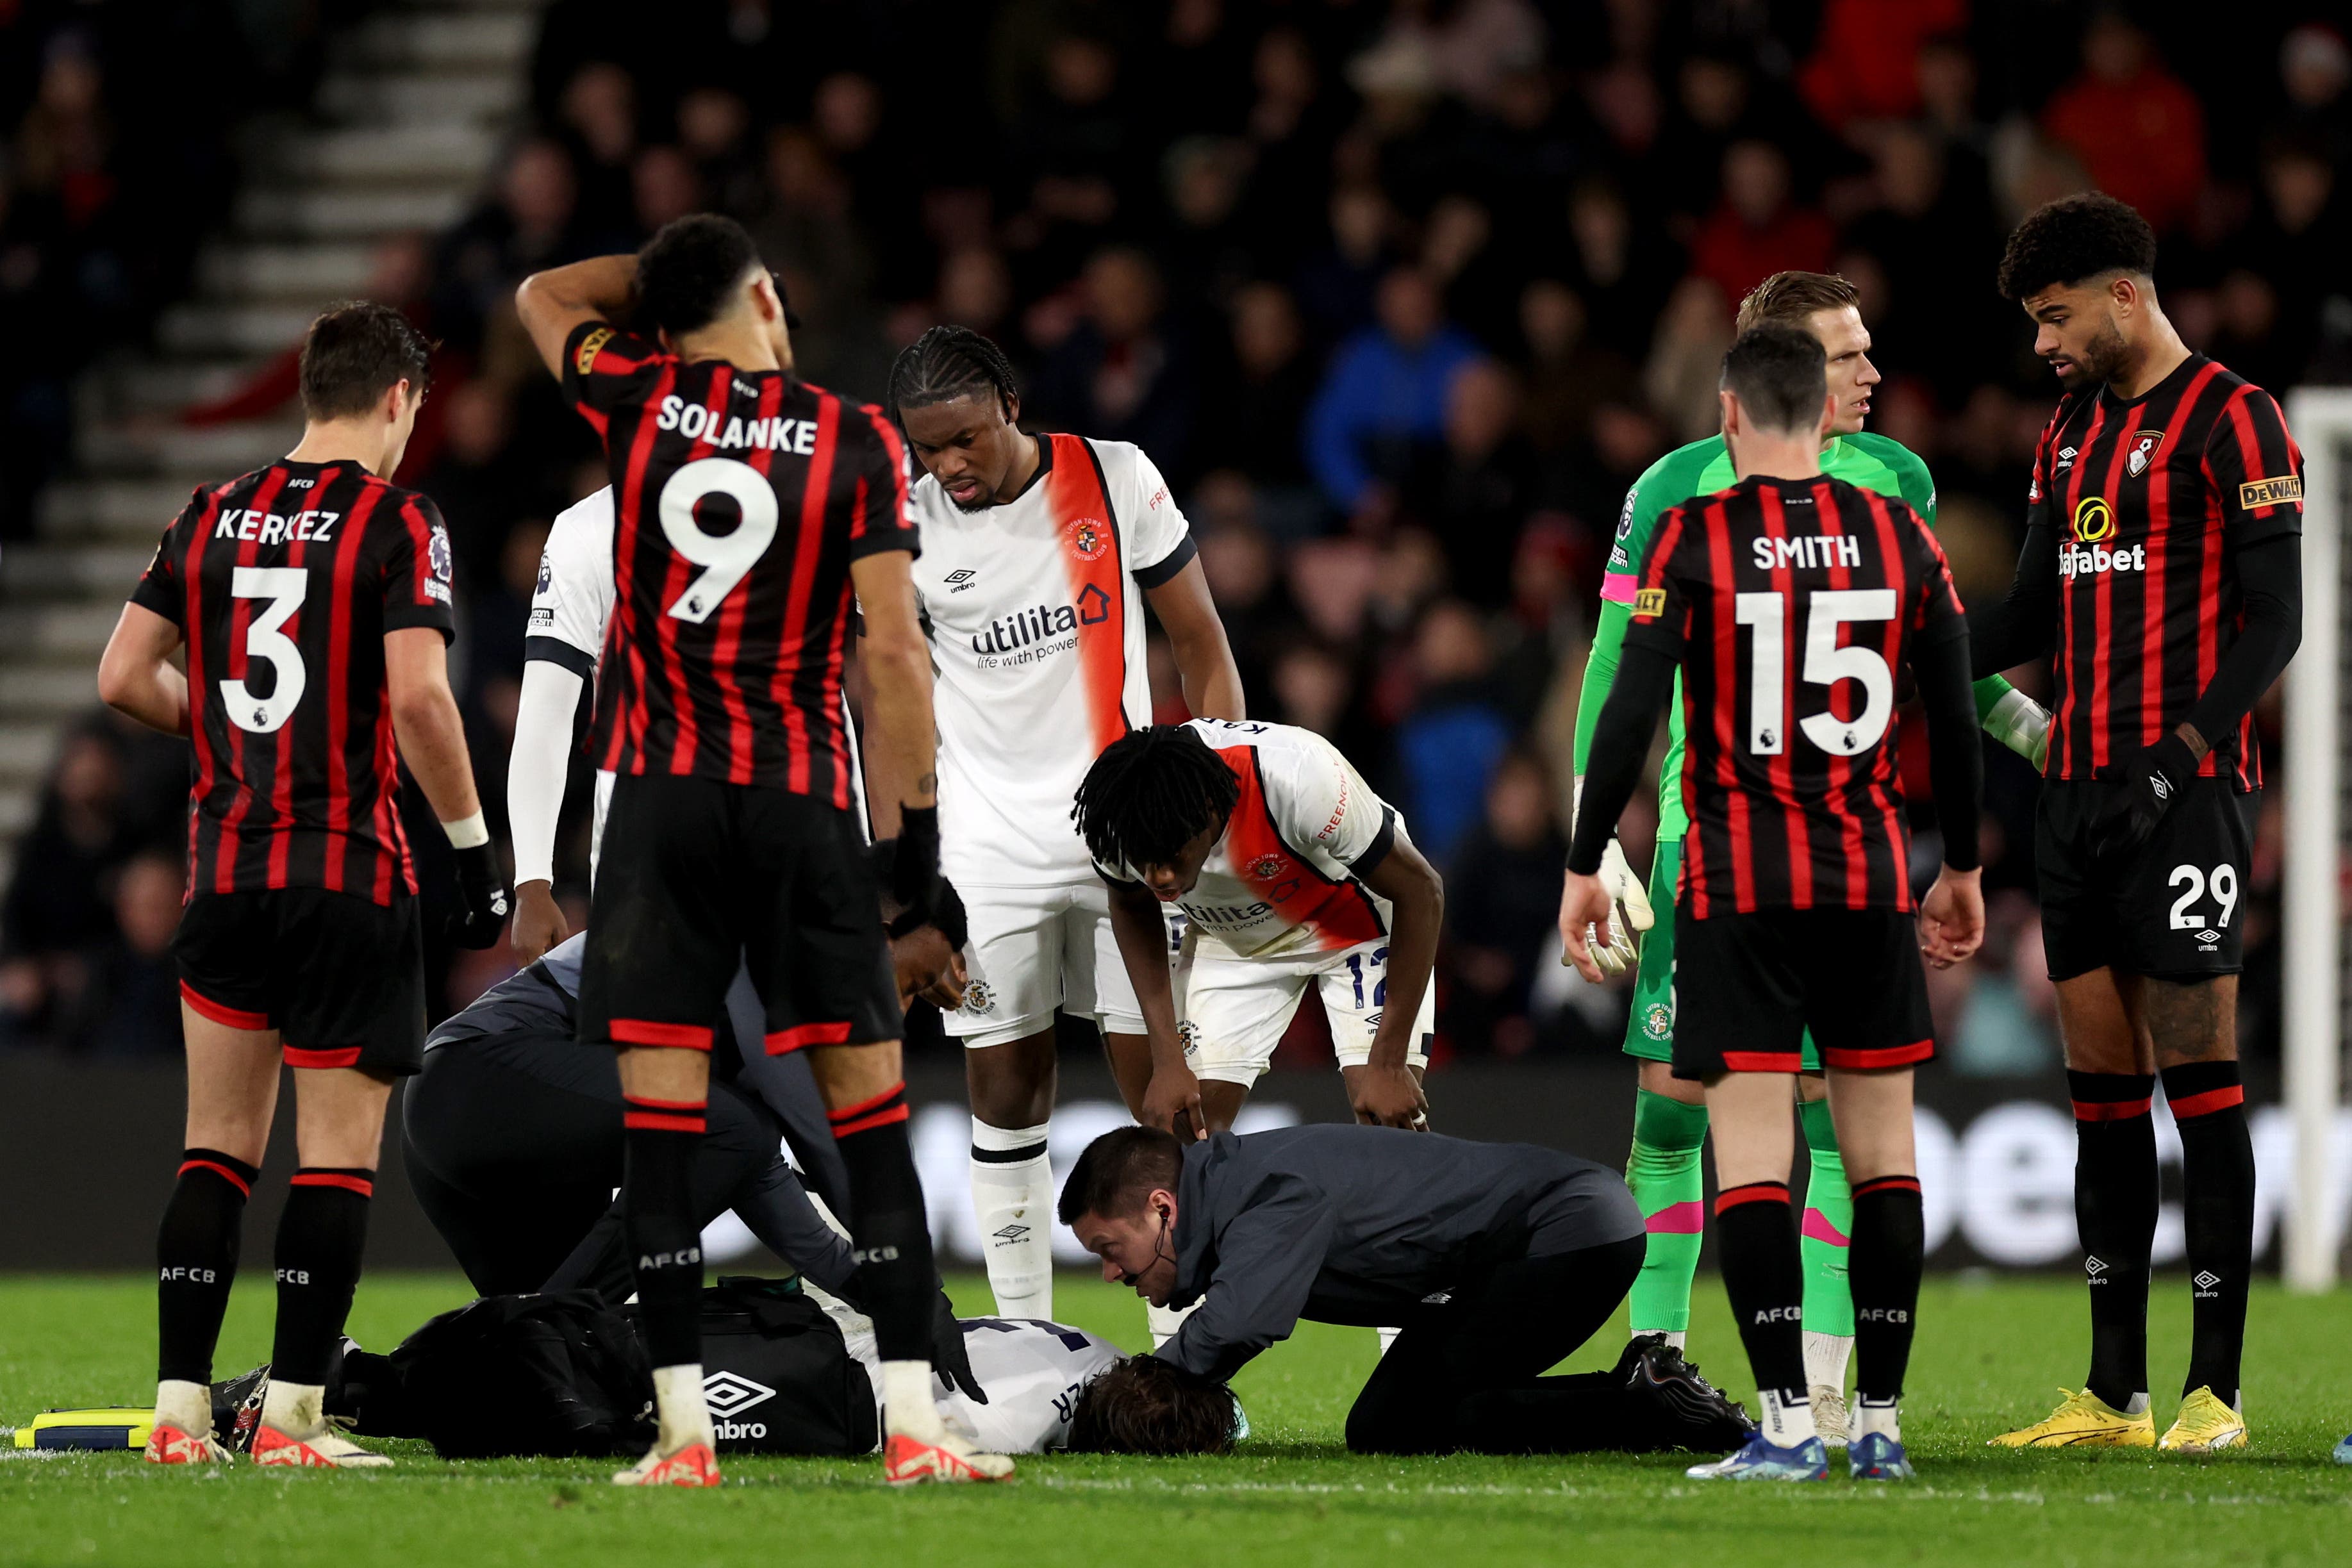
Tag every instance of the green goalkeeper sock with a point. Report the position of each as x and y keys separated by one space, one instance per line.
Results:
x=1665 y=1175
x=1828 y=1221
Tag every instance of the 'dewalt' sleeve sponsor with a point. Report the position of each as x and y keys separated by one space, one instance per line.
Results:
x=1662 y=601
x=604 y=368
x=2255 y=468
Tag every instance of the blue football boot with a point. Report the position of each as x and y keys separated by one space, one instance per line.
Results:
x=1875 y=1456
x=1762 y=1461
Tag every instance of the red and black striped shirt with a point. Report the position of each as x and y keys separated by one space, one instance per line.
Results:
x=2149 y=499
x=740 y=497
x=284 y=583
x=1790 y=605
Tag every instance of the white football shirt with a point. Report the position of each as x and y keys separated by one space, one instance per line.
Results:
x=1034 y=612
x=570 y=609
x=1282 y=879
x=1033 y=1372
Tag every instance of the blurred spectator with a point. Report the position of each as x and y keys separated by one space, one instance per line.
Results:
x=600 y=132
x=134 y=1007
x=1475 y=494
x=1121 y=375
x=527 y=224
x=1448 y=746
x=1338 y=283
x=1686 y=366
x=1757 y=228
x=59 y=903
x=2316 y=69
x=1385 y=391
x=1502 y=905
x=1263 y=382
x=2138 y=128
x=1567 y=372
x=1861 y=63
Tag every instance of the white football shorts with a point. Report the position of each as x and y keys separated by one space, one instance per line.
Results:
x=1235 y=1011
x=1033 y=949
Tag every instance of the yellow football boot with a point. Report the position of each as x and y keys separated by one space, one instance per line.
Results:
x=2083 y=1421
x=2204 y=1426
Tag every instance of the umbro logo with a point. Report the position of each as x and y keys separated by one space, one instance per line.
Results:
x=2161 y=787
x=2209 y=939
x=961 y=579
x=2205 y=1280
x=1010 y=1234
x=2094 y=1268
x=2065 y=458
x=730 y=1393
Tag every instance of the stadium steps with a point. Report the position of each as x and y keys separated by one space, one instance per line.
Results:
x=418 y=99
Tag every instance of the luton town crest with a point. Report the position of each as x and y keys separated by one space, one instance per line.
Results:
x=1087 y=537
x=1267 y=867
x=2143 y=452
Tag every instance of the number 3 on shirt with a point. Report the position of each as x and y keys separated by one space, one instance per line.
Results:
x=265 y=639
x=725 y=559
x=1826 y=663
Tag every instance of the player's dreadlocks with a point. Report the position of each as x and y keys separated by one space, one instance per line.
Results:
x=949 y=363
x=1152 y=792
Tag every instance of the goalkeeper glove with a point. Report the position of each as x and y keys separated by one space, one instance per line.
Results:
x=2022 y=725
x=1629 y=916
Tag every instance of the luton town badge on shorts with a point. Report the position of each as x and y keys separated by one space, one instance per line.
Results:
x=977 y=998
x=1658 y=1021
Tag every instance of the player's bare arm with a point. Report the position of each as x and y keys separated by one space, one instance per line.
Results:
x=1172 y=1099
x=552 y=303
x=136 y=677
x=1385 y=1091
x=1205 y=660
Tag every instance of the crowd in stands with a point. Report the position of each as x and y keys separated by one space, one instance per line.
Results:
x=1401 y=295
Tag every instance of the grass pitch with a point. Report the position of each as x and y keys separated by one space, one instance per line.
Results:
x=1989 y=1355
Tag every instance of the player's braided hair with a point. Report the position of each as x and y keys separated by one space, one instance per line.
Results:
x=949 y=363
x=1152 y=792
x=1146 y=1406
x=2074 y=238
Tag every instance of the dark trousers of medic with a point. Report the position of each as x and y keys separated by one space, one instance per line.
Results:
x=1466 y=1374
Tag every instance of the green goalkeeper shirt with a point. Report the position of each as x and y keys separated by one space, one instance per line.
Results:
x=1872 y=462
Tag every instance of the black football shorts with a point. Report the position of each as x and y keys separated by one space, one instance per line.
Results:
x=2174 y=908
x=1747 y=987
x=694 y=872
x=338 y=977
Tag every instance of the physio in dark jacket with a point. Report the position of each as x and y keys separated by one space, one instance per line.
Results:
x=512 y=1133
x=1495 y=1260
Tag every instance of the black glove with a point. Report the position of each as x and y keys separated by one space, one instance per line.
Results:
x=915 y=864
x=482 y=898
x=949 y=1358
x=948 y=916
x=2149 y=783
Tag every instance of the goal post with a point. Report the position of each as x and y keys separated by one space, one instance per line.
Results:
x=2311 y=824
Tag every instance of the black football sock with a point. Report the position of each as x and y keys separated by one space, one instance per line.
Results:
x=2114 y=1212
x=2217 y=1158
x=320 y=1237
x=195 y=1257
x=659 y=1137
x=1882 y=1265
x=887 y=1223
x=1764 y=1274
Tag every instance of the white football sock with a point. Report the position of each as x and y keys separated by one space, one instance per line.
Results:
x=1826 y=1355
x=294 y=1409
x=184 y=1404
x=1388 y=1338
x=1785 y=1424
x=1012 y=1195
x=907 y=1408
x=1165 y=1320
x=1880 y=1418
x=678 y=1400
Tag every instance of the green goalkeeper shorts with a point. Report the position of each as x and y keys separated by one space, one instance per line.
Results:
x=1650 y=1032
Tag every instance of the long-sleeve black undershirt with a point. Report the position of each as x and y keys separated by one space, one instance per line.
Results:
x=2023 y=625
x=1621 y=741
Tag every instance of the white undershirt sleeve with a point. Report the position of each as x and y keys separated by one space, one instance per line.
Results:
x=537 y=765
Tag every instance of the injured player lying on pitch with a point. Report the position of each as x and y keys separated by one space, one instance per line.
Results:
x=1497 y=1260
x=787 y=1369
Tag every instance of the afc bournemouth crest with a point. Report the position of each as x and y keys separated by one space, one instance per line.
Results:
x=1089 y=537
x=1267 y=867
x=977 y=998
x=2143 y=452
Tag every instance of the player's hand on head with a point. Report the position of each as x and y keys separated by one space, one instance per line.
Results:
x=1172 y=1101
x=480 y=917
x=1584 y=924
x=1952 y=918
x=1388 y=1097
x=538 y=923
